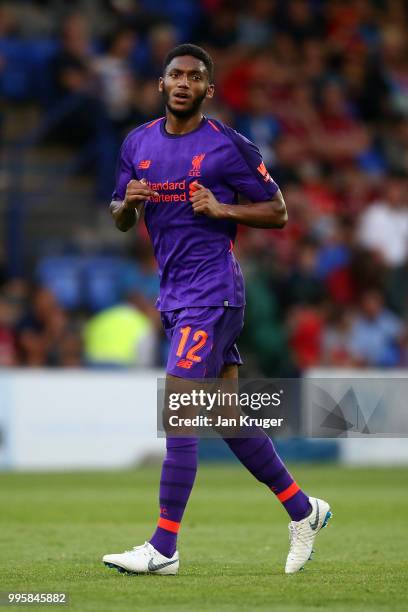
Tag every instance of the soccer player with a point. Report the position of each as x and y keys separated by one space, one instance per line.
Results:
x=187 y=171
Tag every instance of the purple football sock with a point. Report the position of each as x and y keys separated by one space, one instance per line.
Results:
x=177 y=479
x=259 y=456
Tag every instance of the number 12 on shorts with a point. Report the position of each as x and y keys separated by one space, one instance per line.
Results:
x=200 y=337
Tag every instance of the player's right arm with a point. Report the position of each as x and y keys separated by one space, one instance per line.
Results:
x=130 y=193
x=127 y=211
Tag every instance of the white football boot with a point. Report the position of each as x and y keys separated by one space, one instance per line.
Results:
x=302 y=534
x=143 y=559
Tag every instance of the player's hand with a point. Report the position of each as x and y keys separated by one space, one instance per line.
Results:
x=204 y=201
x=137 y=192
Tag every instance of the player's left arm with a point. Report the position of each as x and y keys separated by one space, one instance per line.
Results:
x=271 y=213
x=244 y=171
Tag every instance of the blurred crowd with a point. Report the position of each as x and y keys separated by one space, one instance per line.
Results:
x=321 y=86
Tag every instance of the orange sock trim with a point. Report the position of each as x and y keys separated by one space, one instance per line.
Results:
x=172 y=526
x=288 y=493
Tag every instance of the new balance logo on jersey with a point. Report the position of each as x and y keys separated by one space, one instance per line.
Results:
x=144 y=164
x=185 y=363
x=196 y=165
x=262 y=170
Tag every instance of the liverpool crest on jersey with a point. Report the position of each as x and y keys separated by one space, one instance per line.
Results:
x=196 y=165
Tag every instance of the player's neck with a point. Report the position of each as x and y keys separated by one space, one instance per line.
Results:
x=182 y=125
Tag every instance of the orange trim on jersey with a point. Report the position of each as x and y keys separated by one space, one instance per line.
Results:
x=172 y=526
x=231 y=246
x=213 y=125
x=288 y=493
x=153 y=122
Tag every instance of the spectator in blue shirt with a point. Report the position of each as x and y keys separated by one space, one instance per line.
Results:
x=376 y=332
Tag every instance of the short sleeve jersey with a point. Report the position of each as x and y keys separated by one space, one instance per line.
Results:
x=194 y=253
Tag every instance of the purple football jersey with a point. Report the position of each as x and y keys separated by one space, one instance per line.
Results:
x=194 y=252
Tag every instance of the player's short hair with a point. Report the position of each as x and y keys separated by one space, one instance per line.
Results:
x=194 y=51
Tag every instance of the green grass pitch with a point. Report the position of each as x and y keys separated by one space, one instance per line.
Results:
x=55 y=527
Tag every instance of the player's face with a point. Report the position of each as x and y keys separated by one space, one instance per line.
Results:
x=185 y=86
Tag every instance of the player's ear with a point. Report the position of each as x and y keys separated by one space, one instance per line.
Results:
x=161 y=84
x=210 y=91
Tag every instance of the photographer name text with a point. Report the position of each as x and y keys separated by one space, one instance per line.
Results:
x=241 y=421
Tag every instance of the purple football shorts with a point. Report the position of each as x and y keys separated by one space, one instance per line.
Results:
x=202 y=340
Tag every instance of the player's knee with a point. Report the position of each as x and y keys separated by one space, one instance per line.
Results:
x=229 y=371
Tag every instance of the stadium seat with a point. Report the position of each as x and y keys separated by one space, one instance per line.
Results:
x=100 y=282
x=41 y=79
x=62 y=275
x=15 y=76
